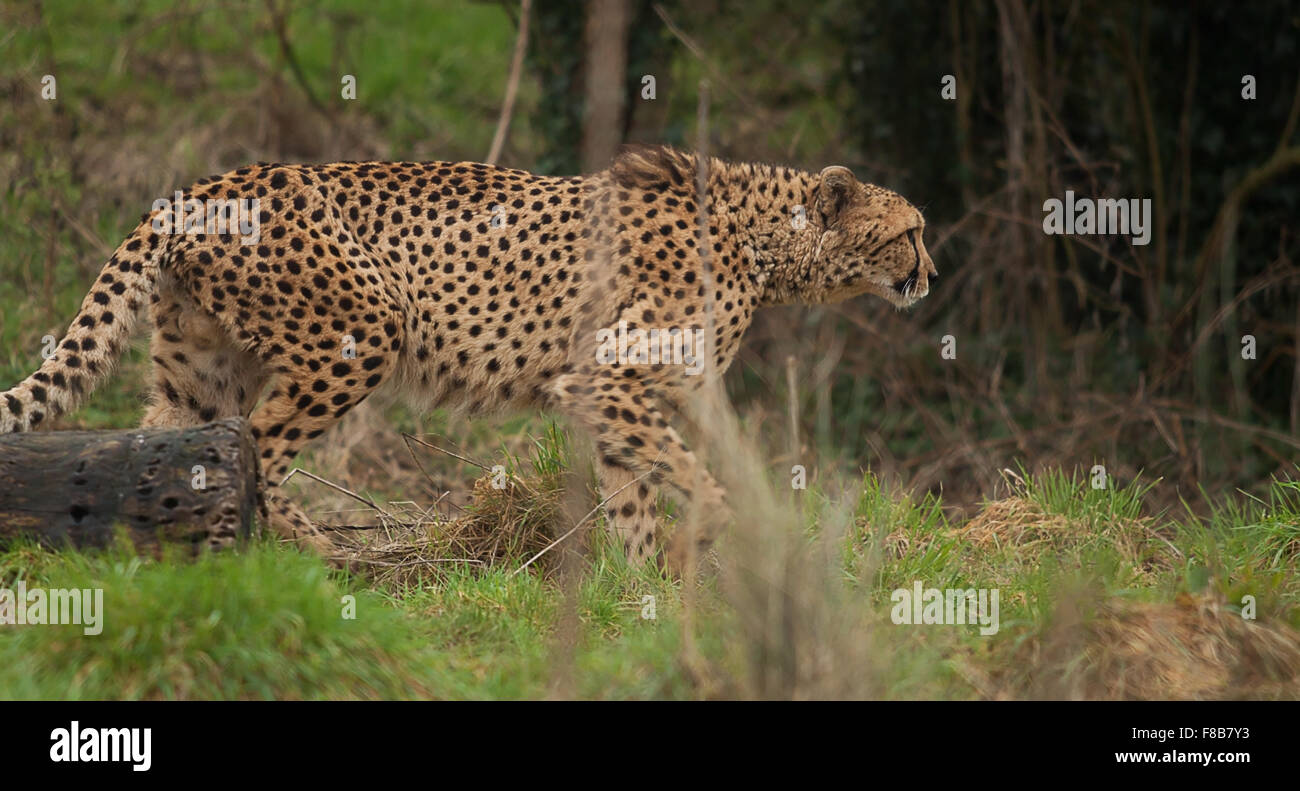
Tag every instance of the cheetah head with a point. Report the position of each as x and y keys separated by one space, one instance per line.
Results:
x=870 y=242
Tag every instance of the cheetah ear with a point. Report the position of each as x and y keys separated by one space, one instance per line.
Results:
x=834 y=186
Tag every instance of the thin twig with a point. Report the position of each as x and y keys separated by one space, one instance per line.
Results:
x=333 y=485
x=750 y=106
x=480 y=465
x=512 y=86
x=431 y=446
x=581 y=521
x=278 y=27
x=421 y=561
x=416 y=460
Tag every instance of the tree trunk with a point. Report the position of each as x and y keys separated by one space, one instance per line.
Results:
x=193 y=486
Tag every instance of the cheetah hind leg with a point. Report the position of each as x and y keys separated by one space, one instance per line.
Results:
x=288 y=419
x=201 y=375
x=290 y=522
x=281 y=429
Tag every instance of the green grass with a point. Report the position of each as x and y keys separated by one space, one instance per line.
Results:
x=262 y=623
x=1248 y=546
x=269 y=622
x=230 y=50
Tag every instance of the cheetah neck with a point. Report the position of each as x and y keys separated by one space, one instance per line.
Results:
x=775 y=228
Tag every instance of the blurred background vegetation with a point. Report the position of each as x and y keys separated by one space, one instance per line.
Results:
x=1071 y=351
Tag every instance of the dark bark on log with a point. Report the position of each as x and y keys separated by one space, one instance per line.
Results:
x=193 y=486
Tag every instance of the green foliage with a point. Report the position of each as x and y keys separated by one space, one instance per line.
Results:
x=1248 y=546
x=556 y=59
x=1075 y=496
x=1133 y=101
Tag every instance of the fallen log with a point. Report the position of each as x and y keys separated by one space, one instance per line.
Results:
x=196 y=486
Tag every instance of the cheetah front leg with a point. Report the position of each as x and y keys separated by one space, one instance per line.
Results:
x=634 y=441
x=629 y=510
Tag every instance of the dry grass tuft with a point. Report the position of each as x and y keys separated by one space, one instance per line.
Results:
x=898 y=544
x=1191 y=649
x=500 y=528
x=1020 y=523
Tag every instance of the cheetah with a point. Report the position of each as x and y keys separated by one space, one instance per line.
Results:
x=482 y=288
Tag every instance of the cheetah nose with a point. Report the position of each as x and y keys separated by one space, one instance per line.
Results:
x=934 y=276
